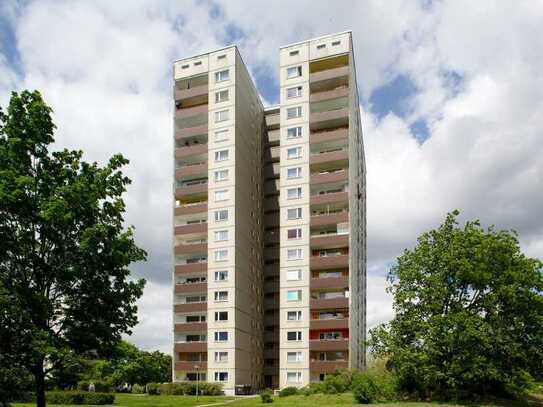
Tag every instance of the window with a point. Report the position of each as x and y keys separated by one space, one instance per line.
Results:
x=294 y=335
x=185 y=66
x=294 y=193
x=221 y=195
x=221 y=175
x=294 y=377
x=294 y=152
x=294 y=112
x=294 y=132
x=221 y=316
x=294 y=213
x=294 y=295
x=294 y=254
x=321 y=46
x=195 y=298
x=221 y=275
x=294 y=233
x=221 y=255
x=222 y=76
x=221 y=235
x=294 y=92
x=223 y=56
x=195 y=318
x=294 y=315
x=221 y=356
x=221 y=116
x=221 y=155
x=294 y=275
x=221 y=96
x=221 y=135
x=221 y=376
x=197 y=63
x=221 y=295
x=336 y=43
x=293 y=357
x=295 y=172
x=221 y=336
x=330 y=336
x=293 y=53
x=221 y=215
x=294 y=72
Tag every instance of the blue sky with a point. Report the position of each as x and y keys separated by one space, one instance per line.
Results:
x=451 y=97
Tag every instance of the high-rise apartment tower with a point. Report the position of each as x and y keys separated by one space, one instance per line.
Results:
x=269 y=219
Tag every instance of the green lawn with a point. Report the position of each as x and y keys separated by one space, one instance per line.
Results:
x=129 y=400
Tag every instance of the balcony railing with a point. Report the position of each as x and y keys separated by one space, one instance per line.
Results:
x=328 y=198
x=325 y=366
x=340 y=323
x=329 y=241
x=191 y=208
x=184 y=191
x=199 y=130
x=191 y=327
x=329 y=303
x=191 y=307
x=329 y=219
x=190 y=347
x=339 y=156
x=191 y=248
x=191 y=288
x=191 y=228
x=329 y=345
x=329 y=282
x=191 y=170
x=191 y=151
x=329 y=262
x=182 y=366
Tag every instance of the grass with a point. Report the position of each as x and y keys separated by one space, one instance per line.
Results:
x=345 y=400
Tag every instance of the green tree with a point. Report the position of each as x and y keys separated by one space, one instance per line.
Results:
x=468 y=314
x=65 y=254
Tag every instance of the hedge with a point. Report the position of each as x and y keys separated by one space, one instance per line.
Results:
x=99 y=386
x=79 y=397
x=184 y=389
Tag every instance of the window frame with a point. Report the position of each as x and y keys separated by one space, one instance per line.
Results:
x=222 y=76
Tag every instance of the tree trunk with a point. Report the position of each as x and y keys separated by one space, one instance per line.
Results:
x=39 y=376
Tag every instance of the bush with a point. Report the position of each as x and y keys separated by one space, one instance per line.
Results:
x=100 y=386
x=288 y=391
x=137 y=389
x=339 y=382
x=266 y=396
x=78 y=397
x=365 y=389
x=152 y=389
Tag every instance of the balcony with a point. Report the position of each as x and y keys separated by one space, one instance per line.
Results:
x=191 y=307
x=339 y=157
x=197 y=93
x=329 y=78
x=324 y=366
x=190 y=288
x=329 y=282
x=191 y=268
x=190 y=347
x=191 y=209
x=329 y=119
x=331 y=345
x=190 y=366
x=191 y=170
x=191 y=151
x=188 y=112
x=339 y=92
x=198 y=130
x=328 y=177
x=191 y=248
x=329 y=135
x=334 y=197
x=342 y=323
x=272 y=120
x=329 y=262
x=329 y=219
x=330 y=241
x=192 y=228
x=191 y=327
x=188 y=190
x=329 y=303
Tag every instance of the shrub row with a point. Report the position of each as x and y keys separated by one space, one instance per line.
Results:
x=184 y=388
x=99 y=386
x=79 y=397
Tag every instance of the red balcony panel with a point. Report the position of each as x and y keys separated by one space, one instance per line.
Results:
x=191 y=209
x=191 y=248
x=191 y=150
x=336 y=197
x=191 y=288
x=329 y=241
x=326 y=178
x=329 y=262
x=331 y=219
x=318 y=345
x=189 y=93
x=198 y=189
x=191 y=347
x=339 y=92
x=322 y=366
x=191 y=327
x=329 y=303
x=329 y=135
x=329 y=119
x=329 y=324
x=191 y=111
x=191 y=229
x=191 y=307
x=190 y=268
x=333 y=156
x=191 y=170
x=184 y=366
x=191 y=132
x=330 y=282
x=328 y=74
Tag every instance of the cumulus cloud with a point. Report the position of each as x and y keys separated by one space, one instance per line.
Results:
x=477 y=68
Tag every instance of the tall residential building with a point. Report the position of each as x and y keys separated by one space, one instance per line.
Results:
x=269 y=219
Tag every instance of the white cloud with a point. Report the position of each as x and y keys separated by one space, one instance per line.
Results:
x=105 y=68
